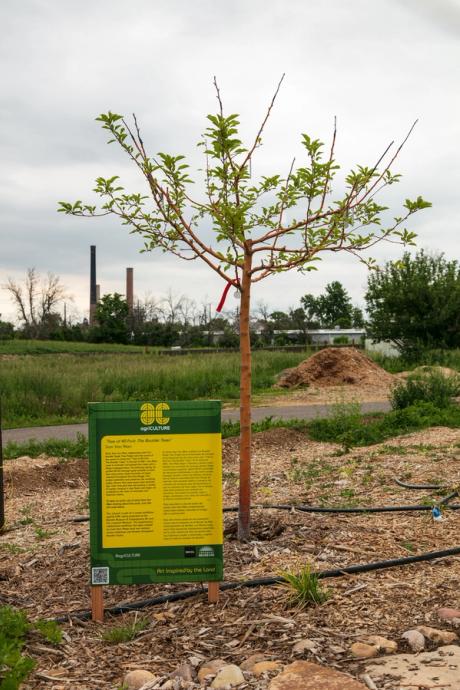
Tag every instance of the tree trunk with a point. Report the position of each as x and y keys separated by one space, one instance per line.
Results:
x=244 y=515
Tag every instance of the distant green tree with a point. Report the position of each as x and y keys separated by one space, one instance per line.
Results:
x=112 y=320
x=299 y=322
x=280 y=321
x=309 y=307
x=6 y=330
x=333 y=308
x=415 y=303
x=357 y=318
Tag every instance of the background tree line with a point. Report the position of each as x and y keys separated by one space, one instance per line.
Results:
x=413 y=303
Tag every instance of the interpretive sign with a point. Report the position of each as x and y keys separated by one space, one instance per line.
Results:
x=155 y=492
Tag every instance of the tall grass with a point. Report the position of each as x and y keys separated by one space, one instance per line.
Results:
x=47 y=390
x=443 y=358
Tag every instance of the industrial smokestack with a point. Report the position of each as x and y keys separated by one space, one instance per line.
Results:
x=129 y=289
x=92 y=286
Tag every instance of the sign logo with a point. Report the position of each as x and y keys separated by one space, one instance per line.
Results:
x=206 y=552
x=154 y=413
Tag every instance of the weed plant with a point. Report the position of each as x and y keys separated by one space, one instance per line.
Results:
x=365 y=431
x=125 y=633
x=53 y=447
x=427 y=386
x=15 y=666
x=231 y=429
x=304 y=588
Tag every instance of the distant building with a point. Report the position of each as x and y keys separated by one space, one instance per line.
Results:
x=382 y=347
x=328 y=336
x=320 y=336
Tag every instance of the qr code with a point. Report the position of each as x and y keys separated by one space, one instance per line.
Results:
x=99 y=576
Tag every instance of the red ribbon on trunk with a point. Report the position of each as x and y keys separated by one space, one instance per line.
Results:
x=220 y=306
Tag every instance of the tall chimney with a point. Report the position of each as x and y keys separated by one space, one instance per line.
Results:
x=129 y=289
x=92 y=286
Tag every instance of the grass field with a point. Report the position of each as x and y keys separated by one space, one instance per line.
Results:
x=55 y=390
x=37 y=389
x=50 y=347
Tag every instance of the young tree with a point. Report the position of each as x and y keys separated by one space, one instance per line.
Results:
x=260 y=228
x=415 y=303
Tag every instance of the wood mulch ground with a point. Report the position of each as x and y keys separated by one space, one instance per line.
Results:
x=44 y=566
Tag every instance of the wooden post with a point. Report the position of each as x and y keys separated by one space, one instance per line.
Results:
x=97 y=603
x=213 y=592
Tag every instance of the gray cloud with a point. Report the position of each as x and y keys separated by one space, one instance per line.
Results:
x=377 y=66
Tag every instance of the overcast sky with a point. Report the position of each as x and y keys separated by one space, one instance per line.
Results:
x=375 y=64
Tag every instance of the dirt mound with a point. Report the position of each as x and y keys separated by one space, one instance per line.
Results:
x=39 y=474
x=335 y=366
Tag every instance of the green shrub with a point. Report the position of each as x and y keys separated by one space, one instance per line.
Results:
x=364 y=431
x=50 y=630
x=14 y=628
x=425 y=386
x=344 y=422
x=14 y=666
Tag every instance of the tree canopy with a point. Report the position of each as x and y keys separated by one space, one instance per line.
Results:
x=112 y=319
x=332 y=308
x=415 y=302
x=260 y=227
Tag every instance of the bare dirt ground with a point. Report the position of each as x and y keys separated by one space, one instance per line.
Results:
x=320 y=395
x=44 y=562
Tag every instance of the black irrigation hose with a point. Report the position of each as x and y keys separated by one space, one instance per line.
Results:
x=444 y=501
x=448 y=498
x=321 y=509
x=265 y=581
x=369 y=509
x=418 y=486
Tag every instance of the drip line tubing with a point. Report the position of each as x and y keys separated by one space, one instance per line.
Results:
x=264 y=582
x=357 y=510
x=419 y=486
x=320 y=509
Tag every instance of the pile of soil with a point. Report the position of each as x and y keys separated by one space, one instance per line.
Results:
x=335 y=366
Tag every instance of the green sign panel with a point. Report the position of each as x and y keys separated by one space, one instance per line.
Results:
x=155 y=492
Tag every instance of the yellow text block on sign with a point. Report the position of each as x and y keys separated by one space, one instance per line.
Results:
x=161 y=490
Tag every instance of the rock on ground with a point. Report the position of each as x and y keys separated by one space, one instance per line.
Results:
x=228 y=677
x=136 y=679
x=428 y=669
x=304 y=675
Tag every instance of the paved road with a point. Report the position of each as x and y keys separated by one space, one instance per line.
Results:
x=70 y=431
